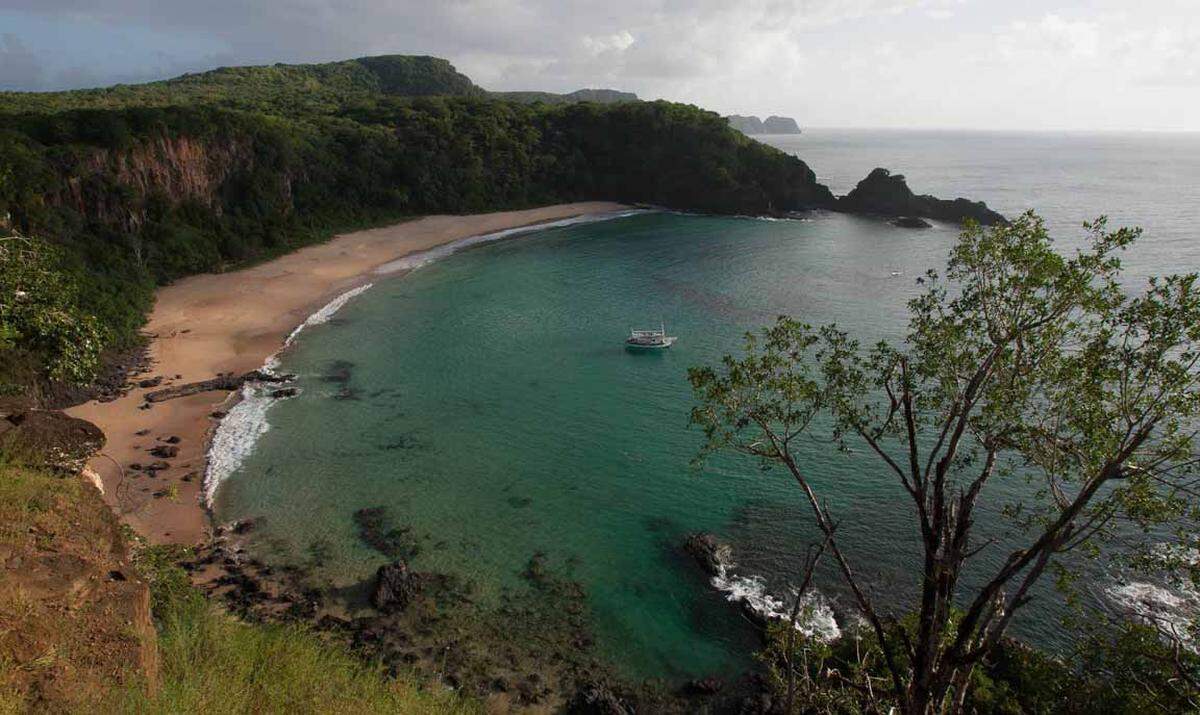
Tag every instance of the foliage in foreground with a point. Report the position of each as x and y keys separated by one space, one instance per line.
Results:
x=211 y=662
x=1121 y=668
x=1024 y=372
x=40 y=315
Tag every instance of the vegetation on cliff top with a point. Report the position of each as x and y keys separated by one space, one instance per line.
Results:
x=144 y=184
x=294 y=90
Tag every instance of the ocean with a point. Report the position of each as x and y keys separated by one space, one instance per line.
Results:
x=486 y=400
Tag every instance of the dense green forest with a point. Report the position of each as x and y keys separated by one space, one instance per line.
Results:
x=140 y=185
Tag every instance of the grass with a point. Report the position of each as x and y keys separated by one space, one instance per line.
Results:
x=211 y=662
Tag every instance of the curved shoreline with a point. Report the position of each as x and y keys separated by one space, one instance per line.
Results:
x=233 y=323
x=235 y=436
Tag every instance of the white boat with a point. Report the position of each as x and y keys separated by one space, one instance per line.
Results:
x=650 y=339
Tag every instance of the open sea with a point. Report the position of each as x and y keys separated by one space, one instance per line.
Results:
x=486 y=400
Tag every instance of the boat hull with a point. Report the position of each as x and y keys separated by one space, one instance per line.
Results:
x=666 y=343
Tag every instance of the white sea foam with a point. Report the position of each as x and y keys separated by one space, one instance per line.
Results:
x=1170 y=611
x=751 y=591
x=321 y=316
x=234 y=439
x=1172 y=605
x=422 y=258
x=246 y=422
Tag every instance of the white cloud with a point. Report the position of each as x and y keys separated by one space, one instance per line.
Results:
x=616 y=42
x=1023 y=63
x=1051 y=38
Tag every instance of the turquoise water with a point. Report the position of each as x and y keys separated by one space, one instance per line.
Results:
x=491 y=406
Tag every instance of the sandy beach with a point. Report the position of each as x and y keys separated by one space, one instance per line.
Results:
x=232 y=322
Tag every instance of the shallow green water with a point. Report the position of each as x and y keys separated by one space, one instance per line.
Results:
x=492 y=406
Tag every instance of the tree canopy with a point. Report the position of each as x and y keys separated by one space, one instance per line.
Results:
x=1020 y=364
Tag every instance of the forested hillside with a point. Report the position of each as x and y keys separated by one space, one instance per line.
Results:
x=144 y=184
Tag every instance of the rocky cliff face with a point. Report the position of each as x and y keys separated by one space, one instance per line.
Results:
x=113 y=185
x=883 y=193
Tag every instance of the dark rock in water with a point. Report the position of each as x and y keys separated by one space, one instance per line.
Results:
x=173 y=439
x=285 y=392
x=536 y=570
x=218 y=414
x=395 y=587
x=910 y=222
x=710 y=685
x=222 y=381
x=142 y=432
x=151 y=382
x=597 y=699
x=886 y=194
x=376 y=531
x=347 y=394
x=245 y=526
x=157 y=466
x=339 y=372
x=166 y=451
x=712 y=555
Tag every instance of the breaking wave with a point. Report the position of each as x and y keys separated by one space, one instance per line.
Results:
x=1172 y=608
x=751 y=592
x=246 y=422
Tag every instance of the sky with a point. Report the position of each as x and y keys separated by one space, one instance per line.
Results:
x=950 y=64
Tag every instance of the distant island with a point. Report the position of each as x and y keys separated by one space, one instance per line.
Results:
x=771 y=125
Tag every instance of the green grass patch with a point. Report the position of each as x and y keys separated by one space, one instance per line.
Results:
x=212 y=662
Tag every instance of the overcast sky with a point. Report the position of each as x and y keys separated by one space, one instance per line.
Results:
x=995 y=64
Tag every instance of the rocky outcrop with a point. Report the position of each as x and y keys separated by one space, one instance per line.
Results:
x=771 y=125
x=395 y=587
x=227 y=383
x=883 y=193
x=597 y=699
x=711 y=554
x=50 y=438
